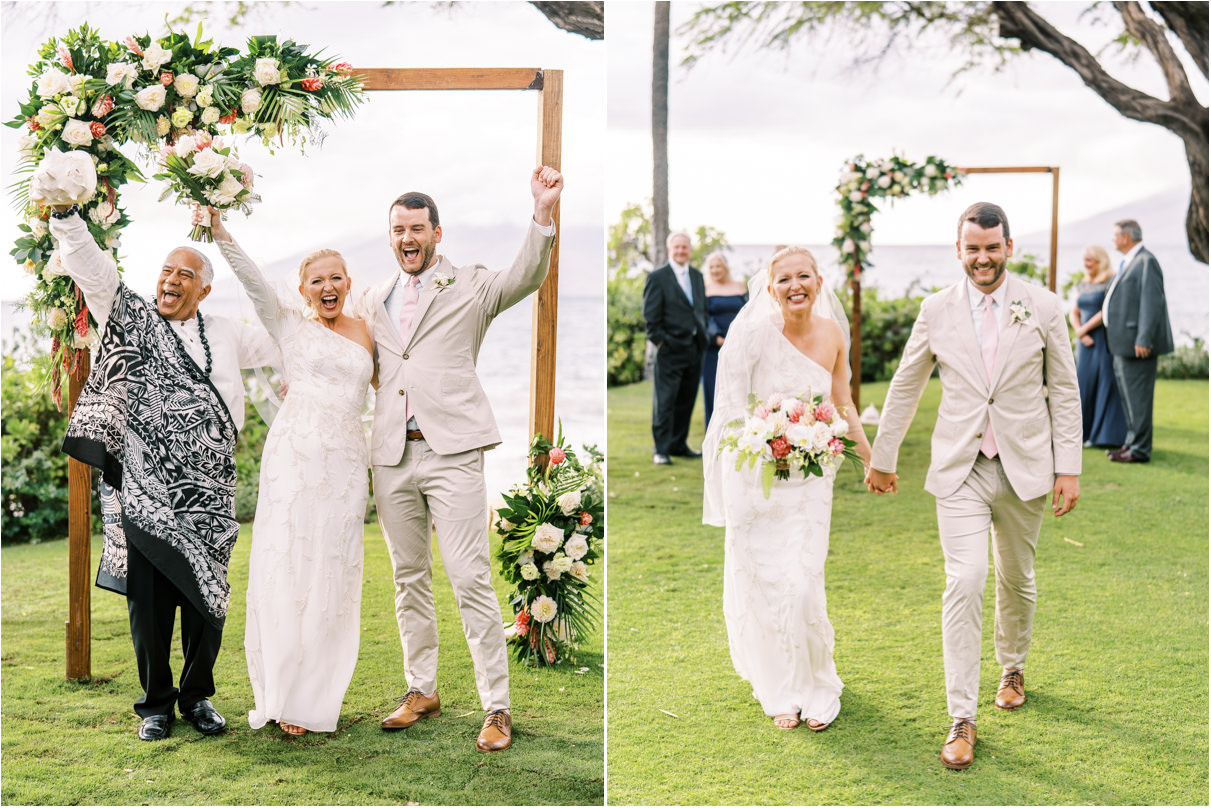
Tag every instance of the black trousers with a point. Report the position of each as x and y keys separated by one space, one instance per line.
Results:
x=1136 y=380
x=152 y=601
x=676 y=374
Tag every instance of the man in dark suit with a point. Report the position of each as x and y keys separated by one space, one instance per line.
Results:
x=674 y=310
x=1137 y=332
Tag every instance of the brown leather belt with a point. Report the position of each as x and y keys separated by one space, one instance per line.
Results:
x=414 y=434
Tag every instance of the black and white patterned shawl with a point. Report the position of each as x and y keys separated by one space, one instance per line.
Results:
x=151 y=421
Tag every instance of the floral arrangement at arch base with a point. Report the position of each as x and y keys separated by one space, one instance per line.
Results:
x=552 y=528
x=864 y=181
x=94 y=96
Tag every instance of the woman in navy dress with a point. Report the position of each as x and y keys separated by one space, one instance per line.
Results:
x=724 y=297
x=1104 y=422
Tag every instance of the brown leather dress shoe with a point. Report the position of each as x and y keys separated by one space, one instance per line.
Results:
x=497 y=733
x=1012 y=692
x=959 y=750
x=415 y=706
x=1128 y=456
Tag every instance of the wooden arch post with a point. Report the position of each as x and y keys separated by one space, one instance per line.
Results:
x=549 y=86
x=855 y=285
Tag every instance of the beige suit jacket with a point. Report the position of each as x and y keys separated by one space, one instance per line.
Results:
x=436 y=368
x=1032 y=401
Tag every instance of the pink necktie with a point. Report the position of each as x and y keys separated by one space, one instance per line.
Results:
x=407 y=310
x=988 y=350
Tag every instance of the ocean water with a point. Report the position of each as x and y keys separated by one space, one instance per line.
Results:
x=904 y=269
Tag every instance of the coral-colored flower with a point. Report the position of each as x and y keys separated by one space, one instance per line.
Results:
x=780 y=447
x=231 y=116
x=341 y=67
x=97 y=128
x=311 y=83
x=65 y=58
x=586 y=518
x=556 y=456
x=522 y=624
x=133 y=46
x=167 y=78
x=32 y=121
x=82 y=322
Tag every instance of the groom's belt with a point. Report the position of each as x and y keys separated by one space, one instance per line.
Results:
x=414 y=434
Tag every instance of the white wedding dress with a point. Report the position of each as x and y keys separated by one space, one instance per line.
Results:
x=305 y=573
x=780 y=638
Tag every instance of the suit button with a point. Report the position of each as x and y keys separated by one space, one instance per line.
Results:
x=990 y=401
x=401 y=392
x=405 y=356
x=979 y=434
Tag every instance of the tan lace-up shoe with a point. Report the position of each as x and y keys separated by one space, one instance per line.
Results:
x=959 y=750
x=1012 y=692
x=497 y=733
x=415 y=706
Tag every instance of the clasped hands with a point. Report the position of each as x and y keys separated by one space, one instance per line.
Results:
x=881 y=482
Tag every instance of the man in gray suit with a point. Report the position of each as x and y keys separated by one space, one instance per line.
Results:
x=1137 y=332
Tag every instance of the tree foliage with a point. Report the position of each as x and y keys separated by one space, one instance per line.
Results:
x=989 y=35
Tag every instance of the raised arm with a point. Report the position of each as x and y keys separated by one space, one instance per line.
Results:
x=501 y=290
x=264 y=298
x=92 y=268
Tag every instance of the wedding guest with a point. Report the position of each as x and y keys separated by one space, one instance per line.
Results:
x=1103 y=422
x=1136 y=319
x=724 y=298
x=674 y=313
x=159 y=416
x=1000 y=446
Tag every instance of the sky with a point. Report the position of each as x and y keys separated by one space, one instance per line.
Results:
x=472 y=151
x=757 y=138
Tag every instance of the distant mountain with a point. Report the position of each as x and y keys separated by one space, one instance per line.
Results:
x=1161 y=216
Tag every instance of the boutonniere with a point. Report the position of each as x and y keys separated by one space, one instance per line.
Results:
x=441 y=280
x=1017 y=312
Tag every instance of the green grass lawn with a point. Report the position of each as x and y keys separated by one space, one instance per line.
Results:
x=1117 y=678
x=74 y=743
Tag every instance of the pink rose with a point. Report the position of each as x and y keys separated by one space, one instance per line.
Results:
x=795 y=410
x=556 y=456
x=762 y=412
x=780 y=447
x=836 y=447
x=825 y=412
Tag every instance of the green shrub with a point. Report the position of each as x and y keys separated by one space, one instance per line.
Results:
x=886 y=325
x=248 y=448
x=626 y=341
x=34 y=475
x=1186 y=362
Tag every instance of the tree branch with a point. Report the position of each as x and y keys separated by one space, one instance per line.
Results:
x=1153 y=38
x=1189 y=22
x=586 y=17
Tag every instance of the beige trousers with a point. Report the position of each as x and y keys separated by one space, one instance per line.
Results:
x=447 y=492
x=985 y=501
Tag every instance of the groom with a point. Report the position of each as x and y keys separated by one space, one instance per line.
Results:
x=1008 y=433
x=432 y=424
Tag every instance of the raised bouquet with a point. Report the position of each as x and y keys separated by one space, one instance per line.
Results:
x=552 y=528
x=204 y=171
x=787 y=432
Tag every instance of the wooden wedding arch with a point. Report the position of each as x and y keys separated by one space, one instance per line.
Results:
x=855 y=285
x=549 y=86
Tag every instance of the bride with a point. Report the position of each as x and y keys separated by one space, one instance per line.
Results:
x=305 y=573
x=787 y=339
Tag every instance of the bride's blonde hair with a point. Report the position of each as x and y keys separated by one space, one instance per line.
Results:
x=311 y=259
x=786 y=252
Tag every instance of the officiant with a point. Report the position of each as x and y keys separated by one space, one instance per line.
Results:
x=159 y=415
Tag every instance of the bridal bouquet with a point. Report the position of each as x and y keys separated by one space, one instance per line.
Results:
x=787 y=432
x=203 y=171
x=552 y=528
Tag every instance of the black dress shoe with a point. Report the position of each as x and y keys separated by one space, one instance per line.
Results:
x=1127 y=456
x=661 y=459
x=688 y=452
x=205 y=718
x=155 y=727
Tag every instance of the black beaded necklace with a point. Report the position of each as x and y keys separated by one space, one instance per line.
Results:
x=205 y=342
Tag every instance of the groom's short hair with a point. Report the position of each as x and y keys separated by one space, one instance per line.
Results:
x=415 y=200
x=987 y=216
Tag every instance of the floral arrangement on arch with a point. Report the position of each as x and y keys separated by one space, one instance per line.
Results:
x=864 y=181
x=95 y=96
x=552 y=527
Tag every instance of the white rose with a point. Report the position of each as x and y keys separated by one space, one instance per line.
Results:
x=56 y=318
x=543 y=609
x=855 y=196
x=872 y=172
x=799 y=435
x=186 y=84
x=54 y=265
x=266 y=72
x=71 y=105
x=822 y=433
x=205 y=96
x=561 y=562
x=77 y=133
x=154 y=56
x=530 y=572
x=122 y=73
x=53 y=82
x=250 y=99
x=847 y=246
x=931 y=170
x=104 y=213
x=576 y=547
x=208 y=163
x=185 y=146
x=579 y=571
x=76 y=81
x=28 y=145
x=210 y=115
x=864 y=246
x=569 y=503
x=865 y=227
x=884 y=181
x=840 y=428
x=526 y=558
x=547 y=538
x=226 y=193
x=151 y=98
x=46 y=117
